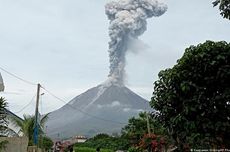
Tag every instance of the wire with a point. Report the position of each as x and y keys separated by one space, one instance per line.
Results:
x=26 y=105
x=31 y=83
x=90 y=115
x=15 y=93
x=28 y=82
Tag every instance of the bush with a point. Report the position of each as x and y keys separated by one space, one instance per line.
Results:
x=105 y=141
x=87 y=149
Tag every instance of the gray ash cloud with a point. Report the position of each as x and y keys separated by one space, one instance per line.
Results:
x=128 y=20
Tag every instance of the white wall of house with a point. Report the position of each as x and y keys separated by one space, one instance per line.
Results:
x=1 y=83
x=12 y=125
x=81 y=140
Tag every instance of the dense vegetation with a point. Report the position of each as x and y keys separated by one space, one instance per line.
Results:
x=87 y=149
x=137 y=127
x=132 y=138
x=193 y=97
x=45 y=143
x=105 y=141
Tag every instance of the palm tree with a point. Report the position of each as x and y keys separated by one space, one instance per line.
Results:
x=27 y=125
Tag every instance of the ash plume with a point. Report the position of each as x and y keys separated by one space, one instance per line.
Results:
x=127 y=23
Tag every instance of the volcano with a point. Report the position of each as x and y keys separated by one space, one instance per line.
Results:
x=105 y=108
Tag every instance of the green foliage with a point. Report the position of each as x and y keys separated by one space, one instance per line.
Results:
x=133 y=149
x=87 y=149
x=193 y=97
x=27 y=125
x=3 y=145
x=45 y=143
x=224 y=7
x=3 y=115
x=105 y=141
x=137 y=128
x=131 y=135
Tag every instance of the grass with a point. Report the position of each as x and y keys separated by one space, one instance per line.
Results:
x=86 y=149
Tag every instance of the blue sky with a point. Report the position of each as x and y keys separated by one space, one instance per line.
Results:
x=63 y=45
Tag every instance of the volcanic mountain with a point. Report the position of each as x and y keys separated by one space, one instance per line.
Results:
x=102 y=109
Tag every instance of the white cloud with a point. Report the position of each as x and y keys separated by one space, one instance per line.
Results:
x=126 y=109
x=113 y=104
x=133 y=110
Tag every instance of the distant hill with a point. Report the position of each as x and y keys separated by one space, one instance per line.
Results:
x=104 y=110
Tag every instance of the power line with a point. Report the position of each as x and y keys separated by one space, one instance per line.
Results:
x=28 y=82
x=90 y=115
x=26 y=105
x=31 y=83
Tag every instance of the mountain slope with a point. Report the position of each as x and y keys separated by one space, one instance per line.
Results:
x=102 y=109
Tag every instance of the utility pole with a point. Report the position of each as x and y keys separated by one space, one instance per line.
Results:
x=36 y=127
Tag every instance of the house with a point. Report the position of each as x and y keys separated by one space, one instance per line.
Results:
x=1 y=83
x=79 y=139
x=74 y=140
x=13 y=130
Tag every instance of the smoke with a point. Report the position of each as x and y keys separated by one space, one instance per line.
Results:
x=127 y=23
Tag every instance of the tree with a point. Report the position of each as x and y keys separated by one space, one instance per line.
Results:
x=193 y=97
x=224 y=7
x=105 y=141
x=136 y=131
x=45 y=143
x=27 y=126
x=137 y=127
x=3 y=117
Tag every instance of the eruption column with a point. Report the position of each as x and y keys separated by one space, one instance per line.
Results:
x=127 y=22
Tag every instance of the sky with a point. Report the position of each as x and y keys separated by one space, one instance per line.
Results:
x=63 y=45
